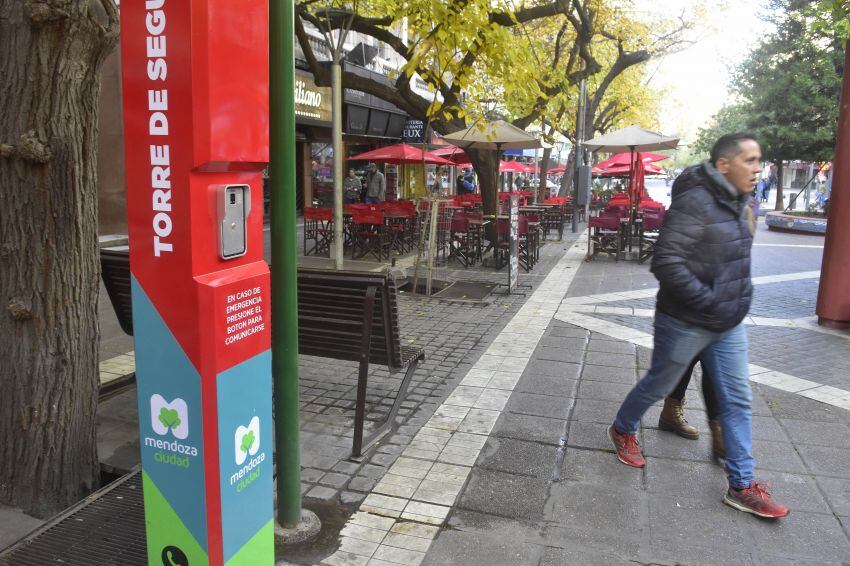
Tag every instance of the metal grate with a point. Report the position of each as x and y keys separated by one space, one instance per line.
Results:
x=108 y=528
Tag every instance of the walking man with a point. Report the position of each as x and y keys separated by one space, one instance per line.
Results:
x=702 y=263
x=376 y=185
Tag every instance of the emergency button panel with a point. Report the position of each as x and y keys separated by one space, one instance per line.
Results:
x=233 y=209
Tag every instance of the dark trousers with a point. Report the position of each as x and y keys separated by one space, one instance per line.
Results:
x=707 y=389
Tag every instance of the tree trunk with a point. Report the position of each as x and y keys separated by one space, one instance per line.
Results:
x=486 y=165
x=566 y=189
x=780 y=198
x=49 y=266
x=542 y=191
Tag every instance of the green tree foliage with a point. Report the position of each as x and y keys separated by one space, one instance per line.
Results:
x=789 y=86
x=731 y=118
x=833 y=15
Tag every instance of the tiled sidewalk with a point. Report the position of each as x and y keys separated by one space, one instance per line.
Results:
x=422 y=485
x=516 y=465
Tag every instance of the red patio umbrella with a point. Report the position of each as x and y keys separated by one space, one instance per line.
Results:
x=400 y=153
x=622 y=159
x=624 y=170
x=558 y=169
x=451 y=152
x=512 y=167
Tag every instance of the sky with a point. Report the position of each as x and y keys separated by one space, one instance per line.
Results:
x=695 y=83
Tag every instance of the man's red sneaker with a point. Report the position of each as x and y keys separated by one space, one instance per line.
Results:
x=627 y=447
x=756 y=500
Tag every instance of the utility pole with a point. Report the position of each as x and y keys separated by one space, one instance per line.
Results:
x=335 y=45
x=292 y=520
x=579 y=150
x=336 y=135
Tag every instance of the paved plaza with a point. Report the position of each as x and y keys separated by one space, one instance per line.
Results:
x=501 y=457
x=515 y=468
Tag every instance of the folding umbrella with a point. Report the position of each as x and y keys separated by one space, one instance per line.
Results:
x=400 y=153
x=496 y=135
x=631 y=139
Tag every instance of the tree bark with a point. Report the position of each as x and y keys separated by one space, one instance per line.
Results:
x=49 y=266
x=780 y=197
x=542 y=191
x=486 y=164
x=566 y=189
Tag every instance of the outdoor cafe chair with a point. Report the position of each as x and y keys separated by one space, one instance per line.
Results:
x=476 y=233
x=604 y=235
x=527 y=245
x=649 y=230
x=318 y=229
x=502 y=247
x=532 y=219
x=460 y=240
x=400 y=223
x=369 y=234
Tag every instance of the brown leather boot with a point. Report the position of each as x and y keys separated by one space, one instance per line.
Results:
x=717 y=446
x=673 y=419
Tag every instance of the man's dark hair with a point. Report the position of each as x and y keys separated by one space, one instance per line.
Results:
x=729 y=146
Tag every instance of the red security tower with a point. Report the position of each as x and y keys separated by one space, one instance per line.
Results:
x=196 y=141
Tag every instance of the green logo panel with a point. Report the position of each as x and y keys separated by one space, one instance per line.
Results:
x=169 y=540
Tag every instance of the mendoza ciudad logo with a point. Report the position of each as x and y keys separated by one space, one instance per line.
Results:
x=246 y=442
x=171 y=421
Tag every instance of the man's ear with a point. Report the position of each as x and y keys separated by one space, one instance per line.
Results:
x=722 y=165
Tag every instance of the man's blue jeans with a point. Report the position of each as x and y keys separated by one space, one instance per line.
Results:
x=373 y=200
x=676 y=343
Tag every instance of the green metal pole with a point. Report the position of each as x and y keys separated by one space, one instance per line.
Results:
x=284 y=260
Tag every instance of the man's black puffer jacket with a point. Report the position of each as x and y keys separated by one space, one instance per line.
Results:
x=702 y=257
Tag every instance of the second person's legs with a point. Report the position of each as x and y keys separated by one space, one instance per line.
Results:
x=672 y=416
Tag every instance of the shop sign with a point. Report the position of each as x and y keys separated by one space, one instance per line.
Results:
x=414 y=131
x=312 y=103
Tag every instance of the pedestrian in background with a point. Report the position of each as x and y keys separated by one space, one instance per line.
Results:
x=376 y=185
x=702 y=263
x=351 y=188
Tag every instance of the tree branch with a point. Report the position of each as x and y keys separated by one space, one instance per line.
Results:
x=524 y=15
x=368 y=26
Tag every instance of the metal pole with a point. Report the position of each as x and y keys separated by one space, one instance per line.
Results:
x=579 y=151
x=809 y=186
x=284 y=265
x=336 y=89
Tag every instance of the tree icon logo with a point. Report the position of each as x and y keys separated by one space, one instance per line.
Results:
x=247 y=440
x=167 y=416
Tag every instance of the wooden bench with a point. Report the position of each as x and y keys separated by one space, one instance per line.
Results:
x=115 y=272
x=343 y=315
x=347 y=315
